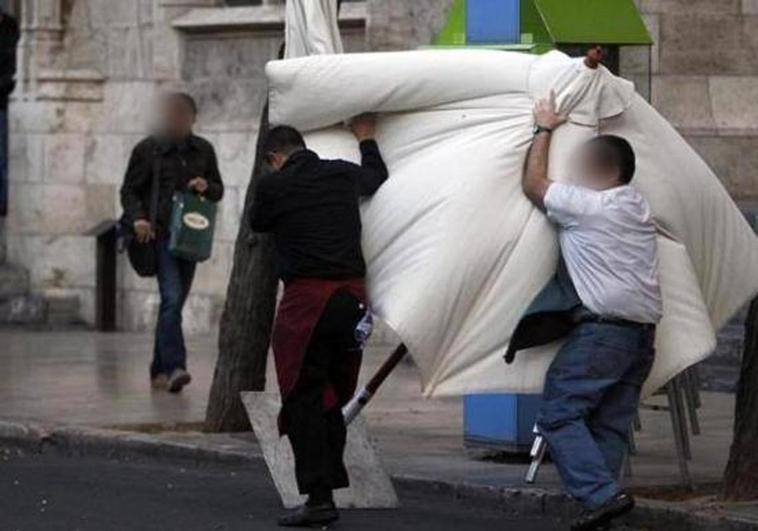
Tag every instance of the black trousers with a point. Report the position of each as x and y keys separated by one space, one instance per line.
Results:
x=318 y=435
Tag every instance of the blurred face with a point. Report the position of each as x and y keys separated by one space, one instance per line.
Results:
x=178 y=117
x=592 y=173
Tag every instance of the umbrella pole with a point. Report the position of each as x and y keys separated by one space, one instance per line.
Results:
x=364 y=396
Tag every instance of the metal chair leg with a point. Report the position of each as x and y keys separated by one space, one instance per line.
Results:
x=691 y=398
x=632 y=442
x=537 y=453
x=679 y=437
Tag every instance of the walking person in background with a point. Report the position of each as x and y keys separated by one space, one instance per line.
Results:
x=311 y=206
x=180 y=160
x=606 y=299
x=9 y=35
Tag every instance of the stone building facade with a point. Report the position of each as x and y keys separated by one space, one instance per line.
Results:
x=89 y=70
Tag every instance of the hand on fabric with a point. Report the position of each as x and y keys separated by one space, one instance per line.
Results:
x=198 y=184
x=545 y=113
x=143 y=231
x=363 y=126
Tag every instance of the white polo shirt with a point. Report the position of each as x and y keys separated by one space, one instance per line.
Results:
x=608 y=241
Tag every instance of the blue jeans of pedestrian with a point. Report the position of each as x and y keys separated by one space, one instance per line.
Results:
x=174 y=282
x=3 y=162
x=591 y=396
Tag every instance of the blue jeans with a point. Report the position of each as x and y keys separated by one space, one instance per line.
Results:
x=174 y=283
x=591 y=396
x=3 y=162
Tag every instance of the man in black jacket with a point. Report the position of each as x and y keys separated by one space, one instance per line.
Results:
x=312 y=208
x=9 y=36
x=180 y=160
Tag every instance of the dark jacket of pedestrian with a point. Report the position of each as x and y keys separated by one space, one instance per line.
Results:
x=312 y=206
x=177 y=164
x=9 y=35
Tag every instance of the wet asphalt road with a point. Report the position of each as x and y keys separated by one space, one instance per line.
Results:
x=54 y=492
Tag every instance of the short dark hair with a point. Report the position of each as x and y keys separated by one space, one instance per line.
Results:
x=185 y=99
x=283 y=139
x=611 y=151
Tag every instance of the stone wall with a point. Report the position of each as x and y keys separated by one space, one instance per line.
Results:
x=90 y=70
x=705 y=82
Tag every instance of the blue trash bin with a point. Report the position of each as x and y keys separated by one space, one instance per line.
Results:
x=500 y=421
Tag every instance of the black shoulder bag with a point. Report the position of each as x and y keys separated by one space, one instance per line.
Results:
x=144 y=256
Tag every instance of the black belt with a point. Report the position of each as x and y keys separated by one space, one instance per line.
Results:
x=585 y=317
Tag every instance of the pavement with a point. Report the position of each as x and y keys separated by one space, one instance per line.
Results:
x=58 y=493
x=82 y=380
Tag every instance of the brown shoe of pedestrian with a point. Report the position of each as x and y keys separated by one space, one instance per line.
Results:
x=159 y=382
x=179 y=378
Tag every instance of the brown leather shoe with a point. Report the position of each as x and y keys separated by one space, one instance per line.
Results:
x=178 y=379
x=159 y=382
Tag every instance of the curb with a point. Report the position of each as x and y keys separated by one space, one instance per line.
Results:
x=109 y=443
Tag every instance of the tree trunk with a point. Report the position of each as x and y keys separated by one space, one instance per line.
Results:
x=247 y=318
x=741 y=475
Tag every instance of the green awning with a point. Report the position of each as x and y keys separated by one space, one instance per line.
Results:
x=592 y=21
x=546 y=24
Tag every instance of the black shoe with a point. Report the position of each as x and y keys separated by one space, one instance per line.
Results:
x=311 y=516
x=601 y=517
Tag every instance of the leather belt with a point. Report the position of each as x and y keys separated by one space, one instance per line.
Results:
x=588 y=317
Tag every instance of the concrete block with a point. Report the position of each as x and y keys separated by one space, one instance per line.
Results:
x=167 y=47
x=24 y=310
x=197 y=317
x=130 y=106
x=108 y=13
x=684 y=101
x=130 y=52
x=641 y=59
x=14 y=281
x=228 y=215
x=733 y=101
x=236 y=156
x=84 y=117
x=36 y=116
x=228 y=104
x=370 y=485
x=750 y=7
x=224 y=58
x=54 y=262
x=64 y=158
x=690 y=6
x=212 y=276
x=106 y=158
x=733 y=159
x=706 y=44
x=137 y=311
x=26 y=157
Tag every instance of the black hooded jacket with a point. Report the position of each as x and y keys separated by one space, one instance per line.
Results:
x=312 y=208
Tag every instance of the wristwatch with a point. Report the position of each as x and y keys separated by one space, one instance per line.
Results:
x=541 y=129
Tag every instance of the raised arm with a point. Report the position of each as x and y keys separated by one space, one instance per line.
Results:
x=535 y=181
x=372 y=172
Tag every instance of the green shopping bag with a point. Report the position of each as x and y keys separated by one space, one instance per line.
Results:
x=193 y=219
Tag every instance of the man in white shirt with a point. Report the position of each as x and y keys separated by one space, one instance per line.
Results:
x=608 y=244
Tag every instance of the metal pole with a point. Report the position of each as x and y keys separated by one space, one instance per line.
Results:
x=364 y=396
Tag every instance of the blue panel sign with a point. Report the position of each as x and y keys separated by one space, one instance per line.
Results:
x=493 y=21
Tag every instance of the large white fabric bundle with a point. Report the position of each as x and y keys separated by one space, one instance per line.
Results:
x=456 y=252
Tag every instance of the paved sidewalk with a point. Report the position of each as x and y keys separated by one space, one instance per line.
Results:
x=100 y=380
